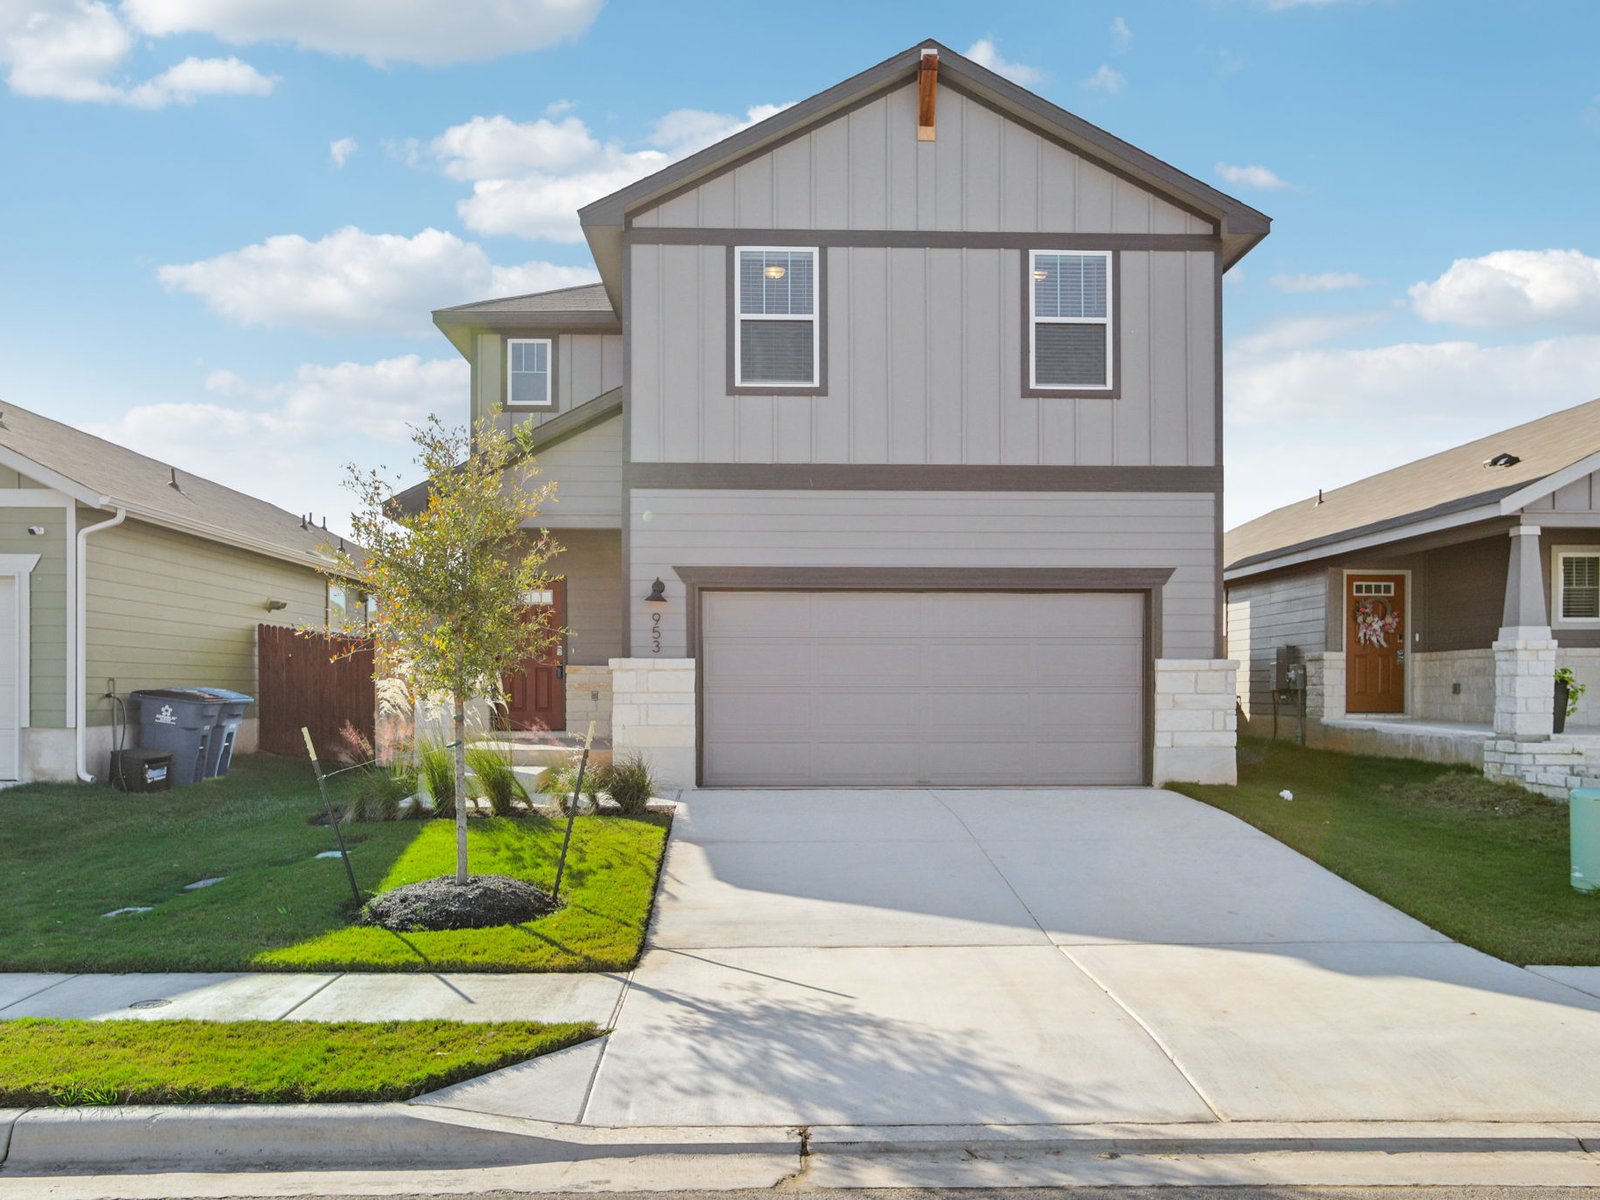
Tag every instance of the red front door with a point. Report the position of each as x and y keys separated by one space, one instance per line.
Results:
x=1375 y=643
x=536 y=695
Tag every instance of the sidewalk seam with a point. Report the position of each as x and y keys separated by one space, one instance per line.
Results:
x=304 y=1000
x=64 y=979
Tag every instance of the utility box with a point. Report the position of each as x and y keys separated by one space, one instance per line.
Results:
x=179 y=721
x=1585 y=817
x=219 y=755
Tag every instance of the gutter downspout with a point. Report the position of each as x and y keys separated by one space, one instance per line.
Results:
x=80 y=701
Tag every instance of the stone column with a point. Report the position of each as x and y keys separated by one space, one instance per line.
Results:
x=653 y=711
x=1525 y=650
x=1195 y=721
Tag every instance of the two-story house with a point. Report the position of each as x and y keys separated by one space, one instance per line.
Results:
x=889 y=448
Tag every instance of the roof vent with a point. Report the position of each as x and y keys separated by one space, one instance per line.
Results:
x=1319 y=498
x=1502 y=460
x=173 y=481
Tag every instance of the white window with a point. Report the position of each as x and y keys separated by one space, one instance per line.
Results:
x=528 y=373
x=1575 y=587
x=776 y=341
x=1069 y=326
x=338 y=606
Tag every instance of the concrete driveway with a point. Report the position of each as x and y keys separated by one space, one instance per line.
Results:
x=1032 y=957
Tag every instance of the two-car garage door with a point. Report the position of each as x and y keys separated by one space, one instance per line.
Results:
x=937 y=688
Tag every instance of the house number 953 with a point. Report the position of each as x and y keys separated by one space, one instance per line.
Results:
x=655 y=633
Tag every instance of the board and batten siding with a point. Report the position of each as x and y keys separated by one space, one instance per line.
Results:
x=924 y=365
x=866 y=170
x=1290 y=610
x=166 y=609
x=587 y=364
x=587 y=471
x=672 y=528
x=47 y=605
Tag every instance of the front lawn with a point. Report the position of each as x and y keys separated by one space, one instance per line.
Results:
x=69 y=854
x=255 y=1062
x=1486 y=866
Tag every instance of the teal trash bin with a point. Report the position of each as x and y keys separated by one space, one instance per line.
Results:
x=1585 y=817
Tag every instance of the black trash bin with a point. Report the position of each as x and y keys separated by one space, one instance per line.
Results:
x=182 y=721
x=219 y=757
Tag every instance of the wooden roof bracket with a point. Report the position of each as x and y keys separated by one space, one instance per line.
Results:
x=927 y=94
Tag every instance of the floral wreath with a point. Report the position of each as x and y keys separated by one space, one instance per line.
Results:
x=1375 y=623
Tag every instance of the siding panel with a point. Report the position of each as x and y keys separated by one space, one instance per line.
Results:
x=1287 y=611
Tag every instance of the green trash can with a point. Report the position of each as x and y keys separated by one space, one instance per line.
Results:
x=1585 y=817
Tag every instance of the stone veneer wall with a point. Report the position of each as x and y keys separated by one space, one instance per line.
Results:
x=653 y=712
x=1524 y=689
x=1436 y=676
x=1195 y=721
x=589 y=699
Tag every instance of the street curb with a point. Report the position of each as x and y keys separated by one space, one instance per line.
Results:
x=400 y=1136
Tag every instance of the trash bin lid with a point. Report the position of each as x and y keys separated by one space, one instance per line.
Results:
x=186 y=694
x=224 y=694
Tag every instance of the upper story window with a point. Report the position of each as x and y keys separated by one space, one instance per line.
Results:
x=777 y=338
x=528 y=373
x=1071 y=318
x=1575 y=589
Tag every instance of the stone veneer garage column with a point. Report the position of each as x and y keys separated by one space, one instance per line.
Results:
x=589 y=699
x=653 y=712
x=1196 y=723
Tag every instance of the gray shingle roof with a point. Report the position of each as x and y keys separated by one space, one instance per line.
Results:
x=1449 y=481
x=143 y=485
x=584 y=298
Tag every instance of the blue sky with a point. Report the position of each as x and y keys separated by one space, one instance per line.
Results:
x=226 y=220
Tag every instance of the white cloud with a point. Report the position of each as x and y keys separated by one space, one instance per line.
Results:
x=339 y=151
x=1106 y=79
x=287 y=441
x=1299 y=332
x=986 y=54
x=529 y=178
x=1255 y=176
x=1514 y=288
x=356 y=282
x=415 y=31
x=75 y=49
x=1121 y=35
x=1327 y=281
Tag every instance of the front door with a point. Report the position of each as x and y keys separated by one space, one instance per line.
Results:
x=1375 y=643
x=536 y=695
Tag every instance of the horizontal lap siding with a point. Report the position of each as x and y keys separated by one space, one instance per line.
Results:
x=866 y=170
x=1289 y=611
x=166 y=608
x=930 y=529
x=47 y=604
x=587 y=472
x=924 y=352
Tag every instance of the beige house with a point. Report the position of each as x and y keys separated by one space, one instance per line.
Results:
x=888 y=448
x=1431 y=605
x=117 y=573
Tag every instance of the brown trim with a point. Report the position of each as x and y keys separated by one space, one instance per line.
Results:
x=914 y=239
x=918 y=477
x=1216 y=451
x=820 y=322
x=1148 y=581
x=506 y=406
x=1029 y=389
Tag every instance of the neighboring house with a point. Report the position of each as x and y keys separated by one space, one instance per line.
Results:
x=889 y=448
x=117 y=573
x=1432 y=604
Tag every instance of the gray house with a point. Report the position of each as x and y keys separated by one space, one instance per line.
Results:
x=888 y=449
x=1432 y=604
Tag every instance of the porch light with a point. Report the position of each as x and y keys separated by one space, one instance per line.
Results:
x=658 y=592
x=774 y=272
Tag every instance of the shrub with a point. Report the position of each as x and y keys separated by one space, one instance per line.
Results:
x=376 y=793
x=495 y=776
x=438 y=775
x=630 y=783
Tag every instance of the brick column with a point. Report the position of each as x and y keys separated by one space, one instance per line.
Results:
x=1195 y=721
x=653 y=712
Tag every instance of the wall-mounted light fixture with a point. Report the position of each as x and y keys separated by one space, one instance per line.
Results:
x=658 y=592
x=35 y=530
x=275 y=605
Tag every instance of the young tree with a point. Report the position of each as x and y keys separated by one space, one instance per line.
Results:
x=451 y=581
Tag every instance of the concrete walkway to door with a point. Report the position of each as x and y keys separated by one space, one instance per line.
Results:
x=1044 y=957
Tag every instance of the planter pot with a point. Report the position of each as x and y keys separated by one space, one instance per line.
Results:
x=1560 y=722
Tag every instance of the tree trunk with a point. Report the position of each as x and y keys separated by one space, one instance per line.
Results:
x=461 y=790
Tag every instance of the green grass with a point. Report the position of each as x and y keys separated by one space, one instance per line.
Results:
x=69 y=854
x=252 y=1062
x=1493 y=879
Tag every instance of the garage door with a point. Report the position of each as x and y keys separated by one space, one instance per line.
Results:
x=937 y=688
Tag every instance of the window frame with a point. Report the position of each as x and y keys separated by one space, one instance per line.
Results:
x=549 y=402
x=1558 y=591
x=1112 y=388
x=818 y=384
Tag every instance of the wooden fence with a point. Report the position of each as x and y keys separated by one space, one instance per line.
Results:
x=321 y=682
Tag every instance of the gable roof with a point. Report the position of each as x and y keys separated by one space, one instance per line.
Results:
x=103 y=474
x=1239 y=225
x=1454 y=481
x=583 y=307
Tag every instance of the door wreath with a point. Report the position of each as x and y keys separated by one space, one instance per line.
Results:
x=1375 y=623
